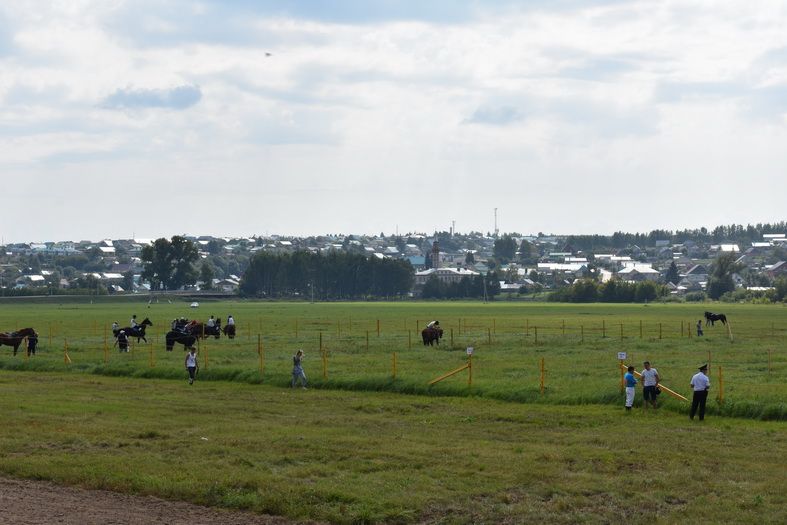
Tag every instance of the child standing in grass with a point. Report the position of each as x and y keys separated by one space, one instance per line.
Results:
x=297 y=370
x=631 y=383
x=191 y=364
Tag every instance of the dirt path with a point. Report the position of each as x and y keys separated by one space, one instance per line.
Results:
x=24 y=502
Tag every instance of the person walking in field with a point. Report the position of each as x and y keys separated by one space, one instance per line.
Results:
x=699 y=328
x=121 y=342
x=700 y=384
x=297 y=370
x=631 y=384
x=192 y=364
x=650 y=384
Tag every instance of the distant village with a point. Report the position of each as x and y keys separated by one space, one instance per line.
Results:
x=523 y=264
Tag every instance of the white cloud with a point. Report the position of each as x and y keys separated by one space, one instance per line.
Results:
x=352 y=114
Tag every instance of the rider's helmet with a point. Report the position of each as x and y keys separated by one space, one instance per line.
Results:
x=437 y=323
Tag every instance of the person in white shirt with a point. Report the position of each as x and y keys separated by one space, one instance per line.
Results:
x=211 y=322
x=650 y=382
x=192 y=364
x=230 y=321
x=134 y=323
x=700 y=384
x=433 y=324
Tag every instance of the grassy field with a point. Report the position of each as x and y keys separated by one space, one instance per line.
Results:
x=577 y=343
x=364 y=457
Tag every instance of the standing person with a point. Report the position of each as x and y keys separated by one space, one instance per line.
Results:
x=32 y=342
x=631 y=384
x=115 y=328
x=192 y=364
x=700 y=384
x=121 y=342
x=650 y=382
x=699 y=328
x=297 y=370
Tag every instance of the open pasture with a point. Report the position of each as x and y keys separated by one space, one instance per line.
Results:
x=377 y=346
x=370 y=457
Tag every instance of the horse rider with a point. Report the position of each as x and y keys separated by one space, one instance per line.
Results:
x=115 y=328
x=433 y=324
x=230 y=321
x=134 y=324
x=211 y=322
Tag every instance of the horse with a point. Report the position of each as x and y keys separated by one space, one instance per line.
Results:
x=200 y=330
x=431 y=335
x=711 y=318
x=15 y=338
x=187 y=340
x=229 y=331
x=138 y=332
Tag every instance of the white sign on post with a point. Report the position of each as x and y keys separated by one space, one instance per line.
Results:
x=622 y=356
x=469 y=350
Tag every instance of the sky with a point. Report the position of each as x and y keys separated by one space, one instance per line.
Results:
x=144 y=118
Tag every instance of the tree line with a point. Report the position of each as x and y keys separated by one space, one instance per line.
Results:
x=613 y=291
x=335 y=275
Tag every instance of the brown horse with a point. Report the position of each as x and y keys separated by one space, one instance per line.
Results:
x=229 y=330
x=431 y=336
x=200 y=330
x=15 y=338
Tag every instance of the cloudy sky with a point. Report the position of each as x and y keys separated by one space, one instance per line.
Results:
x=154 y=118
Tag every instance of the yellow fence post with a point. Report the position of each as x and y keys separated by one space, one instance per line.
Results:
x=535 y=333
x=582 y=333
x=452 y=337
x=543 y=373
x=659 y=330
x=378 y=328
x=66 y=359
x=721 y=387
x=603 y=329
x=261 y=354
x=394 y=365
x=325 y=364
x=489 y=335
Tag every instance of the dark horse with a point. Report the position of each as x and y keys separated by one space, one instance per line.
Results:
x=711 y=318
x=229 y=331
x=431 y=336
x=199 y=330
x=187 y=340
x=15 y=338
x=138 y=332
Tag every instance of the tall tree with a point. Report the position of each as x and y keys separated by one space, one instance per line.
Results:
x=170 y=264
x=505 y=248
x=672 y=274
x=206 y=275
x=720 y=280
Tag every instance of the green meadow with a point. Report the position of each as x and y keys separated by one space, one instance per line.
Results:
x=377 y=347
x=370 y=457
x=370 y=441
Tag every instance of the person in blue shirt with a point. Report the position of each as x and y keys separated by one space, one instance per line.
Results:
x=631 y=383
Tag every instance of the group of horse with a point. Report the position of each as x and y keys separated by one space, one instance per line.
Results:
x=187 y=332
x=183 y=331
